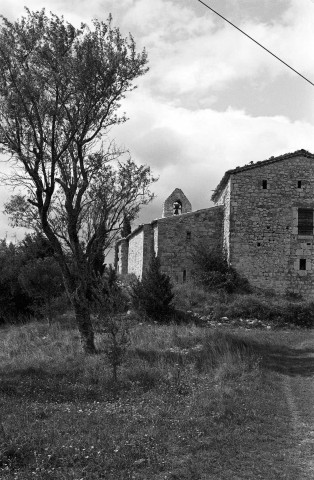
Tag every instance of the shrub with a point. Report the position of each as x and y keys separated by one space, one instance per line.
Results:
x=109 y=305
x=153 y=294
x=108 y=296
x=211 y=270
x=300 y=314
x=277 y=309
x=189 y=295
x=249 y=306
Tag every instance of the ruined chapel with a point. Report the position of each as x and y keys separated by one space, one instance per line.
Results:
x=262 y=218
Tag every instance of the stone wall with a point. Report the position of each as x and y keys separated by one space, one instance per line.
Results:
x=225 y=201
x=136 y=250
x=148 y=246
x=264 y=241
x=122 y=256
x=177 y=235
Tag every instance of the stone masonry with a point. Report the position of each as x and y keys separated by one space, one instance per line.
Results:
x=177 y=237
x=263 y=219
x=263 y=234
x=172 y=238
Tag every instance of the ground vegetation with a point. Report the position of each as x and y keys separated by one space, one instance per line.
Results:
x=188 y=403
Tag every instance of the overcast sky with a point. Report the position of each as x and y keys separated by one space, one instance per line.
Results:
x=212 y=99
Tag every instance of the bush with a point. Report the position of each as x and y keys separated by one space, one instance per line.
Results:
x=249 y=306
x=153 y=294
x=211 y=270
x=276 y=309
x=109 y=306
x=300 y=314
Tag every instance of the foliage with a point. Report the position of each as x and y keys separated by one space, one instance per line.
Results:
x=109 y=297
x=153 y=294
x=299 y=313
x=30 y=279
x=192 y=295
x=34 y=246
x=261 y=308
x=41 y=278
x=15 y=302
x=211 y=269
x=276 y=309
x=60 y=91
x=116 y=343
x=198 y=407
x=126 y=228
x=110 y=321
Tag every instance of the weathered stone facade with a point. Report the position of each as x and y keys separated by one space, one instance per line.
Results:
x=262 y=231
x=263 y=220
x=178 y=235
x=172 y=238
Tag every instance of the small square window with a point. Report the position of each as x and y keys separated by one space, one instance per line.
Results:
x=264 y=184
x=299 y=183
x=302 y=264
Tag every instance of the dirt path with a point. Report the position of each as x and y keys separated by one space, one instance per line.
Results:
x=297 y=370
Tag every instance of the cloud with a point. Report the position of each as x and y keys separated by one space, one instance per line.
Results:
x=193 y=52
x=203 y=57
x=192 y=149
x=180 y=121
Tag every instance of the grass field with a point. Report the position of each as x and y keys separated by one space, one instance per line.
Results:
x=190 y=403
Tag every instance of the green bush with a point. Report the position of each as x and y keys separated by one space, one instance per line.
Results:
x=248 y=306
x=300 y=314
x=211 y=270
x=276 y=309
x=153 y=294
x=190 y=295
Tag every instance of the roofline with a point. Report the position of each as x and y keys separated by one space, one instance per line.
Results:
x=177 y=217
x=261 y=163
x=153 y=222
x=138 y=228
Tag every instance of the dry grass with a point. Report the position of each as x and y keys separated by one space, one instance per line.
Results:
x=190 y=404
x=264 y=306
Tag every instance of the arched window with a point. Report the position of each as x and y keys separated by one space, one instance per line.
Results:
x=177 y=207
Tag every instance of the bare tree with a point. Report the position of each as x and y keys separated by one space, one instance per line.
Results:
x=60 y=91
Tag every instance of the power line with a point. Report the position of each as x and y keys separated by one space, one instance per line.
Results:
x=255 y=41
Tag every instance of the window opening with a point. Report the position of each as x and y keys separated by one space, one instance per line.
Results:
x=184 y=276
x=188 y=236
x=299 y=184
x=177 y=207
x=264 y=184
x=305 y=221
x=302 y=264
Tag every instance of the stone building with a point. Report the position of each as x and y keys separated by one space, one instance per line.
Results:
x=262 y=218
x=172 y=237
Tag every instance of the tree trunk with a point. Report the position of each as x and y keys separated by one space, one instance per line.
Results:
x=84 y=322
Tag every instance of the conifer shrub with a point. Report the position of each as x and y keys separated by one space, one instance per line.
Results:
x=153 y=294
